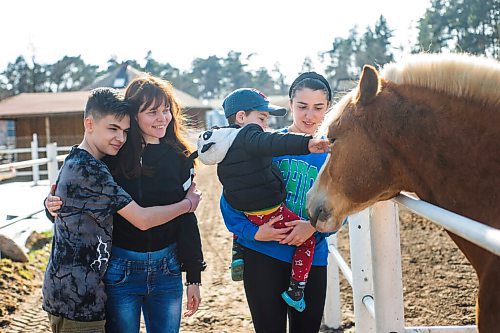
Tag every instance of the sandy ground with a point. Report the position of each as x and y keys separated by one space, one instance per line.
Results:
x=439 y=284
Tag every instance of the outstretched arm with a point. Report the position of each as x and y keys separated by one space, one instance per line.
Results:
x=263 y=143
x=142 y=218
x=146 y=218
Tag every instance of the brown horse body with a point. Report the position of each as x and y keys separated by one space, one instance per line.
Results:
x=429 y=126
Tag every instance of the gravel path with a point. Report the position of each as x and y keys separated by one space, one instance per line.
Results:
x=439 y=284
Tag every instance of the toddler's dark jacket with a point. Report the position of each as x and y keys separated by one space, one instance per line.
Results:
x=249 y=178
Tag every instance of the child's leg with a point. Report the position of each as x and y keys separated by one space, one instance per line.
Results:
x=303 y=256
x=301 y=264
x=237 y=264
x=237 y=249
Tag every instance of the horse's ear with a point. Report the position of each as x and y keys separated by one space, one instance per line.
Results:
x=369 y=85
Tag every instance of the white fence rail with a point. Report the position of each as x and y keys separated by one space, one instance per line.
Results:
x=51 y=160
x=30 y=150
x=475 y=232
x=17 y=230
x=375 y=273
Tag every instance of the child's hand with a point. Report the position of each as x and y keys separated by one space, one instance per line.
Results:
x=319 y=146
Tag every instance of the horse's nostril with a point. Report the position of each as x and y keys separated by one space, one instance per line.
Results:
x=322 y=214
x=314 y=217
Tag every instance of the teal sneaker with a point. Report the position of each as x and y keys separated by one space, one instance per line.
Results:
x=237 y=267
x=299 y=305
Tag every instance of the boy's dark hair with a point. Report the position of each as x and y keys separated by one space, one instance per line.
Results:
x=232 y=118
x=106 y=101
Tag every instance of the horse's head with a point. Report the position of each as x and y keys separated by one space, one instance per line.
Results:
x=357 y=173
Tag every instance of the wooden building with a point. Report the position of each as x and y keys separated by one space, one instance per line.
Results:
x=58 y=117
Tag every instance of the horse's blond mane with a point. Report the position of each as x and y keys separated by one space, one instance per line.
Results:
x=458 y=75
x=333 y=114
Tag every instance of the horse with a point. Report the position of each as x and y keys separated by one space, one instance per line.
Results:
x=430 y=125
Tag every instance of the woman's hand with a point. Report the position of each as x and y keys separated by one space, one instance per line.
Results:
x=193 y=195
x=267 y=233
x=301 y=231
x=193 y=300
x=53 y=203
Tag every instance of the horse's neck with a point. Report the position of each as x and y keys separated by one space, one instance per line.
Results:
x=445 y=148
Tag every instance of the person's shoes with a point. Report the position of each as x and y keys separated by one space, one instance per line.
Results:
x=237 y=267
x=298 y=305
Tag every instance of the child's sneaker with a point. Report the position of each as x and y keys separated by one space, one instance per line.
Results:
x=294 y=296
x=298 y=305
x=237 y=263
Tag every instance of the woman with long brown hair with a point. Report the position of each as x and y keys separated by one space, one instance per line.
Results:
x=144 y=271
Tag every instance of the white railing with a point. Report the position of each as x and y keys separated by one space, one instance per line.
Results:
x=20 y=218
x=51 y=160
x=475 y=232
x=375 y=273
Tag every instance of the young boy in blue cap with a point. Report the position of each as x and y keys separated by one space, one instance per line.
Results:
x=251 y=182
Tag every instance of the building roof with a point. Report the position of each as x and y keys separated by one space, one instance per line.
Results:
x=121 y=76
x=49 y=104
x=117 y=78
x=46 y=104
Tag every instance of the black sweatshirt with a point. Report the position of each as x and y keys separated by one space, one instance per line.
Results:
x=249 y=178
x=163 y=187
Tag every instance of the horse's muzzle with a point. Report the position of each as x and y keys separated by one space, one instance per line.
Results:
x=318 y=214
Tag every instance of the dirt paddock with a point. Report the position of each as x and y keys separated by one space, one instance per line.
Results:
x=439 y=284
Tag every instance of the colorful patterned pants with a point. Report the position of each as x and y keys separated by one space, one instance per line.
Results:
x=303 y=257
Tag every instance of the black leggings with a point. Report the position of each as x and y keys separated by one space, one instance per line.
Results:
x=265 y=278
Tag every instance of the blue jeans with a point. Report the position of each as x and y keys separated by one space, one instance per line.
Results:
x=150 y=281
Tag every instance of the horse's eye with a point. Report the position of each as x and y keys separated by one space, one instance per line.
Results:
x=331 y=140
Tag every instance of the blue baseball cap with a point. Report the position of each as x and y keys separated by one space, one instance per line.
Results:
x=249 y=99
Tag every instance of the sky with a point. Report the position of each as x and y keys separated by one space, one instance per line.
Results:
x=281 y=32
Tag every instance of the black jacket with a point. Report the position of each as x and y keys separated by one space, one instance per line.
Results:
x=249 y=178
x=163 y=187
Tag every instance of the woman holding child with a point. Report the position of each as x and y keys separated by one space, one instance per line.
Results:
x=268 y=251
